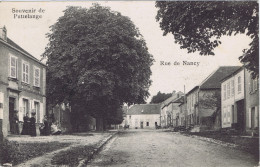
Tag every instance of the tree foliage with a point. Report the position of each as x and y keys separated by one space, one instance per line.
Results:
x=97 y=60
x=160 y=97
x=198 y=26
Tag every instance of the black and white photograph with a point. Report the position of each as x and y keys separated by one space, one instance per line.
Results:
x=129 y=83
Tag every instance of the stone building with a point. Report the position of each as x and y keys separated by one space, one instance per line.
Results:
x=22 y=83
x=143 y=116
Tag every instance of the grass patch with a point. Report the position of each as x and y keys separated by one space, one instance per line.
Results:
x=72 y=156
x=16 y=153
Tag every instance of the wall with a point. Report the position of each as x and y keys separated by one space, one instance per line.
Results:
x=227 y=101
x=252 y=103
x=135 y=121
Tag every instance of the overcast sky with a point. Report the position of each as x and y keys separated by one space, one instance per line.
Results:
x=30 y=35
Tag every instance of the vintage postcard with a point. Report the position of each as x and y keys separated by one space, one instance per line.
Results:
x=129 y=83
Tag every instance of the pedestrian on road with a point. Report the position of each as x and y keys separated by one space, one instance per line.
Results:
x=32 y=125
x=26 y=125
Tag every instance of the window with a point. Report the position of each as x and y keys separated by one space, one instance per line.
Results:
x=37 y=111
x=13 y=67
x=25 y=72
x=147 y=123
x=25 y=106
x=232 y=88
x=239 y=87
x=36 y=77
x=228 y=90
x=224 y=92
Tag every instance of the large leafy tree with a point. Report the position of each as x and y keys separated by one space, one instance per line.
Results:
x=97 y=60
x=198 y=26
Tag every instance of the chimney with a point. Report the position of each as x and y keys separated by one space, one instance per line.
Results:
x=3 y=33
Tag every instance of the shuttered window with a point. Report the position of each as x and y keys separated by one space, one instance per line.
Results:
x=13 y=67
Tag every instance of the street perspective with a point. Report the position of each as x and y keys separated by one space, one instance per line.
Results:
x=129 y=83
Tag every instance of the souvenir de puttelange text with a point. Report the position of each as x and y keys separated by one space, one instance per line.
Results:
x=32 y=13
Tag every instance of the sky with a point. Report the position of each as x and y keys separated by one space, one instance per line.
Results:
x=30 y=34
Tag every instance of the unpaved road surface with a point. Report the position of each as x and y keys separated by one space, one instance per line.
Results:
x=156 y=148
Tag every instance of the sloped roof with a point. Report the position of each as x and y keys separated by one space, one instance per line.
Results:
x=16 y=46
x=170 y=99
x=231 y=74
x=213 y=80
x=141 y=109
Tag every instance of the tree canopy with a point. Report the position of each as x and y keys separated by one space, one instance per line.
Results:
x=160 y=97
x=97 y=60
x=198 y=26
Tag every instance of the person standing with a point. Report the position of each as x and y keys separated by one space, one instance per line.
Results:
x=26 y=125
x=32 y=124
x=15 y=123
x=45 y=128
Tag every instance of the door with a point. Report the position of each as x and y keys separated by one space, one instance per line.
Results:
x=253 y=117
x=142 y=125
x=240 y=114
x=11 y=114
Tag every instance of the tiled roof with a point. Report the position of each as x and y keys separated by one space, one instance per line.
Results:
x=140 y=109
x=213 y=80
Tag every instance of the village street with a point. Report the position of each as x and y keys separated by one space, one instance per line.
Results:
x=158 y=148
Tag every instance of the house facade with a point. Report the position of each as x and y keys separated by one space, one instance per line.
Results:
x=251 y=103
x=143 y=116
x=22 y=83
x=233 y=99
x=240 y=102
x=204 y=100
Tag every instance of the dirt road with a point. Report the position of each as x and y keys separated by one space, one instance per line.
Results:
x=161 y=149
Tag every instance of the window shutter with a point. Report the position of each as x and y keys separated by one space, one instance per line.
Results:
x=249 y=117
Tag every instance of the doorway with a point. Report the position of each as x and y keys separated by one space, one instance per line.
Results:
x=240 y=114
x=11 y=113
x=142 y=125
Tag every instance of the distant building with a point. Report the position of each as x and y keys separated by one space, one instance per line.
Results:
x=204 y=100
x=22 y=83
x=143 y=116
x=169 y=111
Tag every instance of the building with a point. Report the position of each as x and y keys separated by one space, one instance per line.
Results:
x=251 y=103
x=204 y=100
x=22 y=83
x=143 y=116
x=233 y=100
x=169 y=111
x=240 y=101
x=181 y=111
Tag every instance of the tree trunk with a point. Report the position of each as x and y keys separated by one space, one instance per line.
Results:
x=99 y=124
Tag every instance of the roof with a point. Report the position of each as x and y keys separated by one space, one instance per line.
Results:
x=193 y=89
x=213 y=80
x=235 y=72
x=171 y=99
x=141 y=109
x=20 y=49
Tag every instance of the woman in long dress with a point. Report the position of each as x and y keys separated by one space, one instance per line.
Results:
x=26 y=125
x=16 y=123
x=45 y=128
x=32 y=125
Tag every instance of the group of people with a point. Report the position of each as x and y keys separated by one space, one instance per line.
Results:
x=29 y=127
